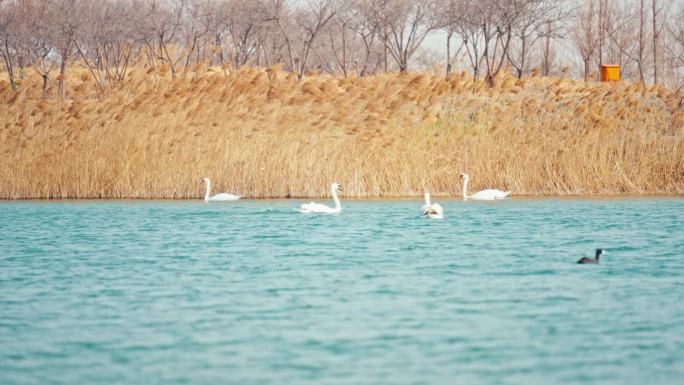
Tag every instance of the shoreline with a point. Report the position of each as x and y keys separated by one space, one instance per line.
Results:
x=597 y=197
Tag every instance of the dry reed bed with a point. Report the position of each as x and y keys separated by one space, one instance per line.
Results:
x=263 y=133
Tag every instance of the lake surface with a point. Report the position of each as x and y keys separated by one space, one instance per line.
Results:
x=121 y=292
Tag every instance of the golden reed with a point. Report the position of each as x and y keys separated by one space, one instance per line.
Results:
x=263 y=133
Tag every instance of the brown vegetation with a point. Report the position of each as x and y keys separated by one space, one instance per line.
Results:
x=264 y=133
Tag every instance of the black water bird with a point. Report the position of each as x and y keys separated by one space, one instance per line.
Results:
x=594 y=260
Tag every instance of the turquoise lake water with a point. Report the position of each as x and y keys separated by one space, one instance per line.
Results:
x=121 y=292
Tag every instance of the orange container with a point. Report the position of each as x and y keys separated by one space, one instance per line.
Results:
x=610 y=72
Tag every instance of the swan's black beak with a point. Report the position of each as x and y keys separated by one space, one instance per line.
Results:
x=339 y=188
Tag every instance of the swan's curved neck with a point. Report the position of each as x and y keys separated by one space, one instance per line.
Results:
x=465 y=188
x=338 y=206
x=207 y=183
x=427 y=198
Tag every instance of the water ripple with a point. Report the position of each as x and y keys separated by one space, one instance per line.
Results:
x=255 y=293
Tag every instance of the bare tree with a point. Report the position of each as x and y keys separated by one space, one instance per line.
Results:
x=340 y=36
x=497 y=30
x=551 y=32
x=350 y=44
x=162 y=24
x=243 y=23
x=640 y=52
x=401 y=25
x=37 y=31
x=468 y=19
x=536 y=19
x=641 y=40
x=602 y=26
x=658 y=26
x=628 y=34
x=8 y=38
x=269 y=43
x=68 y=15
x=487 y=30
x=300 y=27
x=107 y=41
x=281 y=16
x=194 y=25
x=449 y=22
x=368 y=39
x=584 y=35
x=341 y=32
x=675 y=47
x=217 y=14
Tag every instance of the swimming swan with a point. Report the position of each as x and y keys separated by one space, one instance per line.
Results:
x=433 y=210
x=595 y=260
x=321 y=208
x=218 y=197
x=484 y=195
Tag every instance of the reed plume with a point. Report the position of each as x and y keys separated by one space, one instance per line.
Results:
x=263 y=133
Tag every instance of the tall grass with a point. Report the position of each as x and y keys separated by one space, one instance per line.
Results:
x=263 y=133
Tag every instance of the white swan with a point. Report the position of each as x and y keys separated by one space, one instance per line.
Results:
x=218 y=197
x=321 y=208
x=484 y=195
x=433 y=210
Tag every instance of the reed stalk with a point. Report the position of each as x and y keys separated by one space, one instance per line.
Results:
x=263 y=133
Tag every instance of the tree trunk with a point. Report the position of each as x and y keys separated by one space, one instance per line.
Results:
x=497 y=67
x=219 y=48
x=192 y=49
x=20 y=62
x=586 y=69
x=13 y=83
x=46 y=84
x=385 y=58
x=448 y=52
x=62 y=71
x=172 y=65
x=546 y=56
x=10 y=67
x=654 y=6
x=522 y=56
x=344 y=52
x=640 y=62
x=601 y=21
